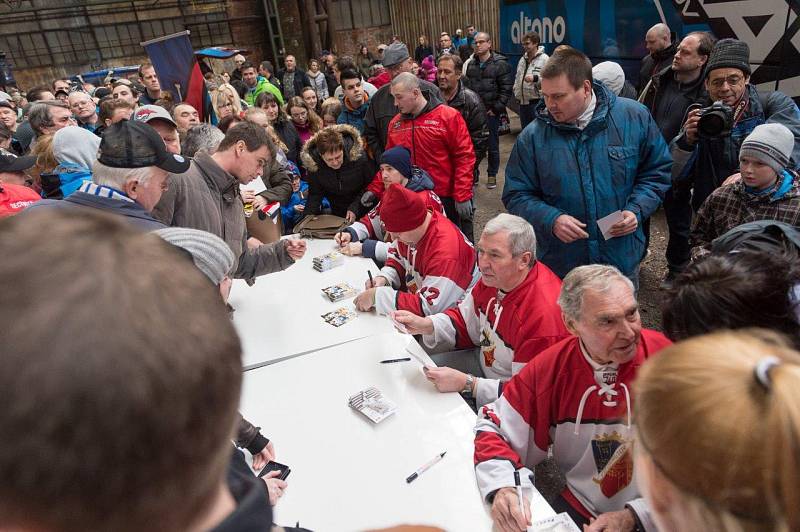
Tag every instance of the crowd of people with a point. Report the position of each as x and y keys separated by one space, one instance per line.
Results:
x=126 y=219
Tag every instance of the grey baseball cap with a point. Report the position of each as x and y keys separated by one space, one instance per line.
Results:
x=395 y=54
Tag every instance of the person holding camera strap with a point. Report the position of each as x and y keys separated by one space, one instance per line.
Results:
x=706 y=151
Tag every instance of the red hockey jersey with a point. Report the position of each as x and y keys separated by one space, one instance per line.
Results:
x=510 y=329
x=432 y=275
x=564 y=398
x=370 y=226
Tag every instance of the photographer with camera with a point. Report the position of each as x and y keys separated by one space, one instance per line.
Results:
x=706 y=151
x=526 y=83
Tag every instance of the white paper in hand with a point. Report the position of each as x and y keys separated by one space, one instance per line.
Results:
x=256 y=185
x=606 y=222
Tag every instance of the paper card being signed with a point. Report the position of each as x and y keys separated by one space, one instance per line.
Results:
x=256 y=185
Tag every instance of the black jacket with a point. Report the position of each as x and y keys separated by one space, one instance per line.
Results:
x=668 y=100
x=288 y=134
x=422 y=52
x=381 y=111
x=253 y=512
x=653 y=63
x=330 y=79
x=300 y=81
x=344 y=186
x=494 y=82
x=469 y=104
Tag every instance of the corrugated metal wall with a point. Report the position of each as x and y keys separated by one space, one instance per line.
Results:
x=412 y=18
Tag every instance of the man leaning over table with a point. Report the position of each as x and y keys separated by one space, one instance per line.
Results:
x=511 y=314
x=207 y=197
x=430 y=264
x=575 y=396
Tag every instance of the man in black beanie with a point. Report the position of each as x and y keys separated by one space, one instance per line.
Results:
x=706 y=161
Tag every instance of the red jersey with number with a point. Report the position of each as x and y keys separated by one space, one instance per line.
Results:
x=431 y=276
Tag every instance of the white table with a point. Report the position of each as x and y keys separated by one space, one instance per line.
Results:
x=348 y=474
x=280 y=316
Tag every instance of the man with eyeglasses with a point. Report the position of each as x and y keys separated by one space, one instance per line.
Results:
x=488 y=74
x=706 y=162
x=446 y=45
x=84 y=109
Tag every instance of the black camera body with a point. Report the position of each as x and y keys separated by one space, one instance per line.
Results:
x=716 y=121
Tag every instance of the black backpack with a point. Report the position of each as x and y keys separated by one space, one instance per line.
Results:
x=766 y=236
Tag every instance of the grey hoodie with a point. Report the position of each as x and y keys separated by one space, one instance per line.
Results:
x=75 y=145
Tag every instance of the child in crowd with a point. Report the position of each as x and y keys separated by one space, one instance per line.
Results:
x=768 y=189
x=293 y=211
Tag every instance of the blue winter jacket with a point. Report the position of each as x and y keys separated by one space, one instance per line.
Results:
x=620 y=161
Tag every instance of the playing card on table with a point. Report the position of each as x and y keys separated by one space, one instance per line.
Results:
x=339 y=292
x=339 y=317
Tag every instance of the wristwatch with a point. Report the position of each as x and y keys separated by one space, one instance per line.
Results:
x=468 y=385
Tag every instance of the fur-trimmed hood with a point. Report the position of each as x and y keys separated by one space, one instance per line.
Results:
x=352 y=147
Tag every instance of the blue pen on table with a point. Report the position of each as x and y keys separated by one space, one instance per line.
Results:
x=424 y=468
x=393 y=360
x=371 y=281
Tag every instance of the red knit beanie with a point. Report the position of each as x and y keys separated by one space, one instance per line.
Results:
x=401 y=209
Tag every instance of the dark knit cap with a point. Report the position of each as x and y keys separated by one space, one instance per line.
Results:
x=730 y=53
x=398 y=158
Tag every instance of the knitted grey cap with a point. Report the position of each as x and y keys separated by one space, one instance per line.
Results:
x=395 y=54
x=729 y=53
x=209 y=252
x=772 y=144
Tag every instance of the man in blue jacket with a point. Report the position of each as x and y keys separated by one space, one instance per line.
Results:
x=587 y=155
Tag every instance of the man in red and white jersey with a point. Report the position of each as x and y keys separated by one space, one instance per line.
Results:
x=511 y=314
x=367 y=236
x=430 y=264
x=575 y=396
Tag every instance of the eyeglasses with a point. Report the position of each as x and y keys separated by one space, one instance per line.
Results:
x=300 y=114
x=732 y=81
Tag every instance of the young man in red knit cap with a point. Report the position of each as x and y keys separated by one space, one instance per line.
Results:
x=510 y=315
x=431 y=265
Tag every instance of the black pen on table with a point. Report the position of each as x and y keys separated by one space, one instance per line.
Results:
x=393 y=360
x=411 y=478
x=371 y=281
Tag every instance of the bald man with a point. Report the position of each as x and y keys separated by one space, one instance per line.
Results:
x=658 y=42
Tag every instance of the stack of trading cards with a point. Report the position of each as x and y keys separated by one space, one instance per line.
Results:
x=327 y=261
x=339 y=317
x=372 y=404
x=339 y=292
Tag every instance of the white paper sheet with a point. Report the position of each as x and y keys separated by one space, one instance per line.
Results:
x=606 y=222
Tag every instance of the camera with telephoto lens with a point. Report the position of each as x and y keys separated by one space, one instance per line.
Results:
x=716 y=120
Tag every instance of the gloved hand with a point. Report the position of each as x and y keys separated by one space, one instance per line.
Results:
x=368 y=199
x=465 y=209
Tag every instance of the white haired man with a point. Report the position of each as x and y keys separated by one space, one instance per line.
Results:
x=510 y=315
x=129 y=176
x=574 y=396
